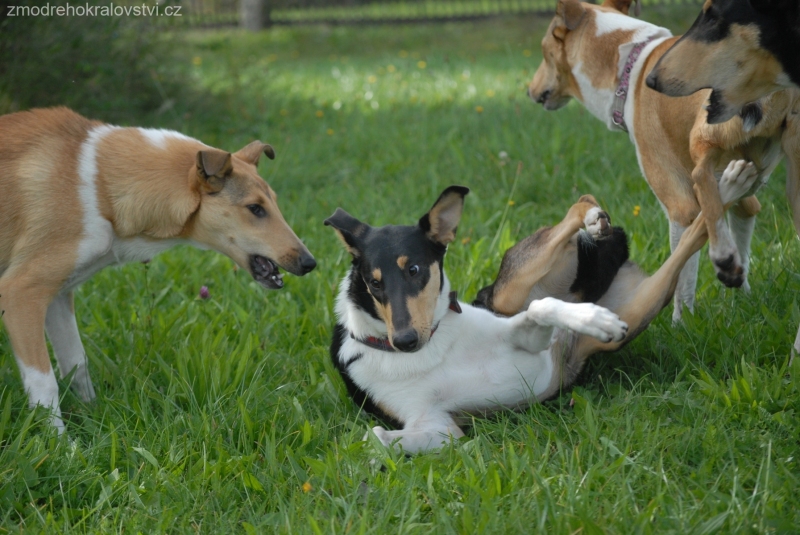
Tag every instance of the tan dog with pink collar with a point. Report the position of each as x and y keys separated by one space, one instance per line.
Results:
x=601 y=57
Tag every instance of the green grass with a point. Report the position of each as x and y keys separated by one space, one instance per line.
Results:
x=225 y=415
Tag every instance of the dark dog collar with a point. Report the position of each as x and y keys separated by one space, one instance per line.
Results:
x=385 y=345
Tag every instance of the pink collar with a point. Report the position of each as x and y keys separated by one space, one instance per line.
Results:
x=621 y=94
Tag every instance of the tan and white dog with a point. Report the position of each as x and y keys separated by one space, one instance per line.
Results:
x=600 y=56
x=80 y=195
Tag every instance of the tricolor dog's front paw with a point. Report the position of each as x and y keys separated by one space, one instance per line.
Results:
x=597 y=223
x=382 y=435
x=597 y=322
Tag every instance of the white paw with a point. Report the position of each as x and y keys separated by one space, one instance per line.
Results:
x=598 y=322
x=382 y=435
x=597 y=223
x=737 y=181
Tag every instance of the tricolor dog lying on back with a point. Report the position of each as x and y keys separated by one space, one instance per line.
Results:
x=418 y=359
x=79 y=195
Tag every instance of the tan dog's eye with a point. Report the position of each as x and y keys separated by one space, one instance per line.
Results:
x=257 y=210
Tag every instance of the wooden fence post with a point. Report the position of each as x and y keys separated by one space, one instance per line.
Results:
x=254 y=14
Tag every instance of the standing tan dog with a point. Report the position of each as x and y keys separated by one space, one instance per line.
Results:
x=79 y=195
x=600 y=56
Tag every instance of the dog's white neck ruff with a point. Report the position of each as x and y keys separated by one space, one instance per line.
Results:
x=600 y=101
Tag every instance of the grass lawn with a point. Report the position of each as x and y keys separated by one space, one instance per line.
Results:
x=225 y=415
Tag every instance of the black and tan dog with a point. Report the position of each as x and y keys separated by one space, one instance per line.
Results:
x=741 y=49
x=411 y=354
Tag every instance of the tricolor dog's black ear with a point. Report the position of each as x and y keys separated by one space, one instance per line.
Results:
x=441 y=222
x=349 y=229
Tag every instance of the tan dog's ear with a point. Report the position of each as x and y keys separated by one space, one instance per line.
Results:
x=213 y=167
x=590 y=199
x=253 y=151
x=621 y=5
x=441 y=222
x=572 y=11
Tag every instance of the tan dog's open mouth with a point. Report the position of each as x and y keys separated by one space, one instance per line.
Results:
x=265 y=272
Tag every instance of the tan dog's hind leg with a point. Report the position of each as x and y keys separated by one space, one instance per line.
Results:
x=23 y=302
x=62 y=329
x=514 y=286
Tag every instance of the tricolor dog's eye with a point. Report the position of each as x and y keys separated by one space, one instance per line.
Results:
x=413 y=270
x=375 y=283
x=257 y=210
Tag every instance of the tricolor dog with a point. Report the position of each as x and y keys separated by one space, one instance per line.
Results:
x=741 y=49
x=80 y=195
x=600 y=56
x=414 y=356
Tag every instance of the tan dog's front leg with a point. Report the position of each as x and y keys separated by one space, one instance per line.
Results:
x=791 y=148
x=24 y=305
x=721 y=248
x=515 y=280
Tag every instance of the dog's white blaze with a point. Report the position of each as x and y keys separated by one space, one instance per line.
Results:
x=597 y=101
x=97 y=231
x=158 y=137
x=613 y=22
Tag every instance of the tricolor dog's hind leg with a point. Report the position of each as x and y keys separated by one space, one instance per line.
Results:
x=536 y=259
x=639 y=299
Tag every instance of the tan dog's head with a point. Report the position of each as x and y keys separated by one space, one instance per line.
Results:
x=732 y=48
x=554 y=82
x=238 y=215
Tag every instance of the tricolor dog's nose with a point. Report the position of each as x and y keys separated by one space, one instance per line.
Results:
x=407 y=340
x=307 y=263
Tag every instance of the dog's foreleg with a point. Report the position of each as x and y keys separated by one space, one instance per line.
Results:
x=721 y=247
x=791 y=148
x=23 y=304
x=512 y=287
x=742 y=222
x=62 y=329
x=428 y=433
x=687 y=281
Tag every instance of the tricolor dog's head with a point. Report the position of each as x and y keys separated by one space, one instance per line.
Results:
x=397 y=273
x=564 y=50
x=741 y=49
x=238 y=215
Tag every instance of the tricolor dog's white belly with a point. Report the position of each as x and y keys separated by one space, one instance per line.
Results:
x=469 y=365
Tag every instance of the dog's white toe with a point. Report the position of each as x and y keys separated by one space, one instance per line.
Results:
x=737 y=180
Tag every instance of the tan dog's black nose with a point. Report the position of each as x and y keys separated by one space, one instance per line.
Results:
x=307 y=264
x=652 y=80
